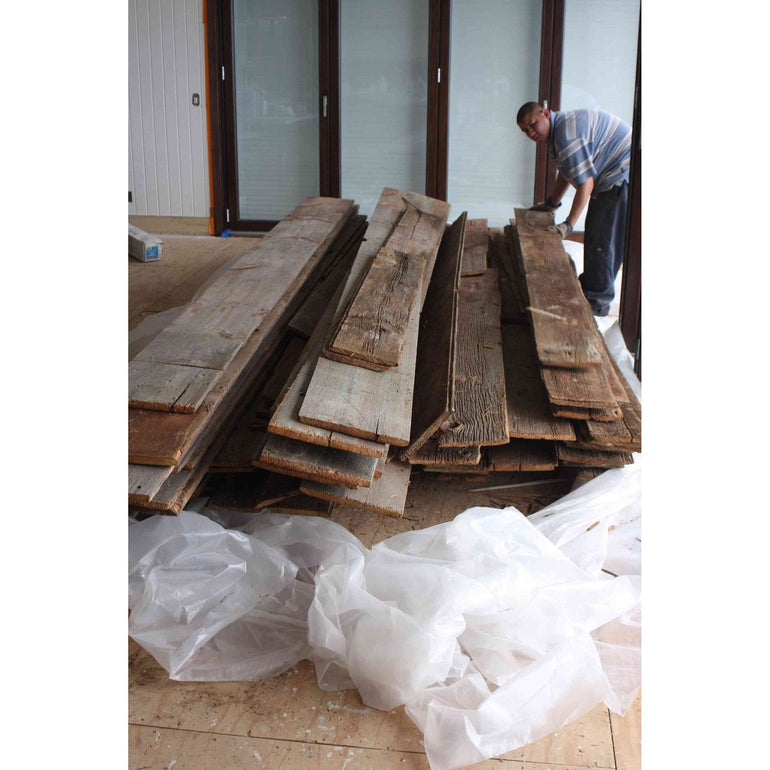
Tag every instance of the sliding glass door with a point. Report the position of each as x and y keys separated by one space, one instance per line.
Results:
x=495 y=68
x=276 y=107
x=383 y=97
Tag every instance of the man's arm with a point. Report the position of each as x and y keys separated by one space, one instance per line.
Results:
x=582 y=194
x=560 y=186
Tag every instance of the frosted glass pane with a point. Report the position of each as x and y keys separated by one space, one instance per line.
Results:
x=599 y=65
x=276 y=105
x=495 y=65
x=383 y=110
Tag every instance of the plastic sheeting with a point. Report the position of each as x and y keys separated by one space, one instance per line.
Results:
x=493 y=629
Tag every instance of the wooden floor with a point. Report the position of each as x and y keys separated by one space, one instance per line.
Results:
x=288 y=722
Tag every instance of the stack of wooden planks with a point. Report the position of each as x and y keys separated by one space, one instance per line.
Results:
x=513 y=374
x=327 y=363
x=349 y=398
x=190 y=385
x=582 y=382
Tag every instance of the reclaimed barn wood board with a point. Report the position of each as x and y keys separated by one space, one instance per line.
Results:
x=164 y=387
x=372 y=331
x=316 y=463
x=164 y=438
x=434 y=367
x=386 y=496
x=284 y=420
x=360 y=402
x=430 y=453
x=307 y=316
x=572 y=456
x=479 y=415
x=584 y=388
x=529 y=411
x=523 y=455
x=565 y=331
x=347 y=399
x=476 y=245
x=144 y=481
x=212 y=328
x=513 y=298
x=466 y=472
x=578 y=413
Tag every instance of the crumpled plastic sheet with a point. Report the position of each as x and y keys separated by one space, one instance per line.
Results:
x=493 y=629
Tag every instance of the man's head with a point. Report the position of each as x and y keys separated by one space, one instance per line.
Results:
x=534 y=121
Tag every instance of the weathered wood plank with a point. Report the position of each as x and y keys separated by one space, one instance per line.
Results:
x=307 y=317
x=284 y=420
x=430 y=453
x=360 y=402
x=479 y=415
x=164 y=387
x=572 y=456
x=529 y=411
x=513 y=292
x=144 y=481
x=523 y=455
x=214 y=326
x=564 y=328
x=434 y=367
x=168 y=438
x=316 y=463
x=372 y=331
x=387 y=495
x=584 y=388
x=474 y=259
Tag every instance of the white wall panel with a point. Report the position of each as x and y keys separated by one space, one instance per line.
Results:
x=168 y=148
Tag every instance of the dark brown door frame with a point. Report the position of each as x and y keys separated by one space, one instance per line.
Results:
x=212 y=15
x=549 y=91
x=223 y=149
x=631 y=284
x=436 y=146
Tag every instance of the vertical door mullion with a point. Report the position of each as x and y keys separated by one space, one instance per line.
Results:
x=438 y=100
x=329 y=108
x=551 y=52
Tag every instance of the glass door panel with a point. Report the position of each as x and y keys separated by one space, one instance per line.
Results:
x=383 y=97
x=495 y=68
x=276 y=94
x=599 y=63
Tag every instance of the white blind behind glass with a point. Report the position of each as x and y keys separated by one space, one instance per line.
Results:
x=495 y=65
x=599 y=65
x=383 y=95
x=276 y=105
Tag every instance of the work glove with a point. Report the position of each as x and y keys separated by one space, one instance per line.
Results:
x=549 y=204
x=564 y=229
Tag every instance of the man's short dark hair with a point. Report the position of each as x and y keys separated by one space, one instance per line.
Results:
x=527 y=109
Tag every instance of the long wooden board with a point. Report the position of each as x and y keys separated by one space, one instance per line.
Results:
x=430 y=453
x=529 y=411
x=386 y=496
x=476 y=245
x=167 y=438
x=307 y=317
x=574 y=457
x=212 y=328
x=479 y=416
x=357 y=401
x=316 y=463
x=434 y=367
x=564 y=328
x=284 y=420
x=372 y=331
x=523 y=455
x=144 y=481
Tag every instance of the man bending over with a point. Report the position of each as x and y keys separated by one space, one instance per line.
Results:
x=592 y=150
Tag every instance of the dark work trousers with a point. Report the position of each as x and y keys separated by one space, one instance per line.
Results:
x=603 y=246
